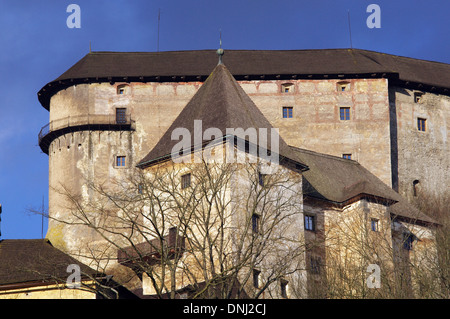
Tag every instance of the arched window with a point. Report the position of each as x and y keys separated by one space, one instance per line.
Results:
x=415 y=182
x=343 y=86
x=122 y=89
x=287 y=87
x=418 y=97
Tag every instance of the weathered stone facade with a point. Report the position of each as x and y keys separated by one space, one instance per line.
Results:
x=316 y=123
x=422 y=156
x=365 y=117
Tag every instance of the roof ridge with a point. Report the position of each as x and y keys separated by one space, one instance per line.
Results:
x=266 y=50
x=334 y=157
x=24 y=239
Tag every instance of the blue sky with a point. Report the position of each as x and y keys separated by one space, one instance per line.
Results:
x=37 y=47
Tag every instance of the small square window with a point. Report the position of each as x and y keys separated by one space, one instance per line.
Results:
x=287 y=87
x=255 y=223
x=309 y=222
x=418 y=97
x=408 y=240
x=343 y=86
x=315 y=265
x=185 y=181
x=374 y=224
x=120 y=161
x=347 y=156
x=344 y=113
x=421 y=124
x=287 y=112
x=121 y=89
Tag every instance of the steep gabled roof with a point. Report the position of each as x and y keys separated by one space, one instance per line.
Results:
x=219 y=103
x=195 y=65
x=340 y=180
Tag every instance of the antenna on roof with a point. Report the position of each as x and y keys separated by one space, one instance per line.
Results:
x=159 y=18
x=90 y=47
x=349 y=29
x=220 y=51
x=42 y=218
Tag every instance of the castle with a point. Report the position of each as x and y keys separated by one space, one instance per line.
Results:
x=111 y=110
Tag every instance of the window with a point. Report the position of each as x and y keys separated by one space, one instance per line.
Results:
x=140 y=189
x=256 y=278
x=287 y=88
x=408 y=240
x=374 y=224
x=415 y=182
x=287 y=112
x=122 y=89
x=309 y=222
x=417 y=97
x=421 y=124
x=185 y=181
x=344 y=113
x=343 y=86
x=347 y=156
x=283 y=288
x=255 y=223
x=261 y=179
x=315 y=265
x=121 y=117
x=120 y=161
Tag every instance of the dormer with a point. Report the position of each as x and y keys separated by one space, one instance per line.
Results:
x=343 y=86
x=123 y=89
x=287 y=87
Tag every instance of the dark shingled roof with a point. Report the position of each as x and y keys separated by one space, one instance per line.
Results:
x=147 y=66
x=219 y=103
x=339 y=180
x=27 y=261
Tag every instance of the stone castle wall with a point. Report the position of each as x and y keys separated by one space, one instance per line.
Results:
x=376 y=112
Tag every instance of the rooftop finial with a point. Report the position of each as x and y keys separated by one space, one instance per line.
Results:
x=220 y=50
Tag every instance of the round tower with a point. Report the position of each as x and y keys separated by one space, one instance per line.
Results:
x=89 y=138
x=102 y=123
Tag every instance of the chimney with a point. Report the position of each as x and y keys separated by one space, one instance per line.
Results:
x=172 y=236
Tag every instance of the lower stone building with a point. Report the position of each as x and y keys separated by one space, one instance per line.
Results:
x=34 y=269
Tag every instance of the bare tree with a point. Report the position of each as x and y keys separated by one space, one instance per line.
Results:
x=363 y=237
x=205 y=230
x=226 y=230
x=434 y=280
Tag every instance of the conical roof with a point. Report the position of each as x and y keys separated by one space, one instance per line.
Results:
x=220 y=103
